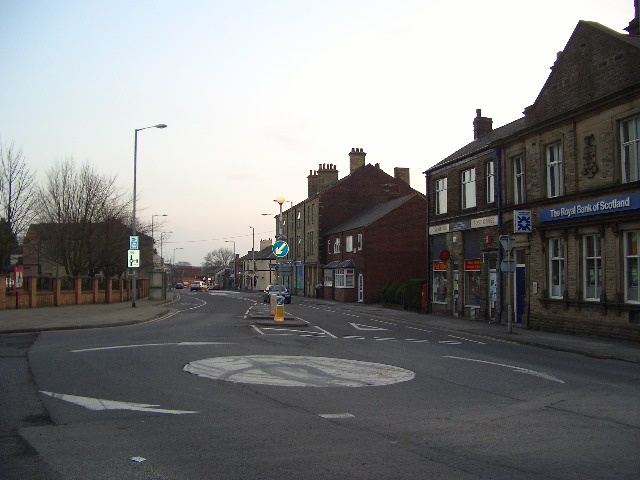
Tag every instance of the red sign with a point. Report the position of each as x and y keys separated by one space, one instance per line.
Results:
x=472 y=265
x=445 y=255
x=439 y=266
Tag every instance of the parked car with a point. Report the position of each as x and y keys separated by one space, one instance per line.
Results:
x=213 y=286
x=179 y=286
x=279 y=289
x=198 y=286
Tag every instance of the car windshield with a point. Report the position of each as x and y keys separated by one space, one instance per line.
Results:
x=277 y=288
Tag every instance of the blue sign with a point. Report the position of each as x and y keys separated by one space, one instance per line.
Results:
x=602 y=206
x=522 y=221
x=280 y=248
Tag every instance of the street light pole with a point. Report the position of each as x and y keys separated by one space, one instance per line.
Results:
x=133 y=217
x=253 y=256
x=173 y=265
x=234 y=261
x=152 y=216
x=280 y=201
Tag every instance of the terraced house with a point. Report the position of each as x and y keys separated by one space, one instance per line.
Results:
x=563 y=183
x=354 y=234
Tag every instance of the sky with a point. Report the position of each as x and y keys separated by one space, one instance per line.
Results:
x=257 y=94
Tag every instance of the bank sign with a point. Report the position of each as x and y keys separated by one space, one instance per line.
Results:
x=587 y=208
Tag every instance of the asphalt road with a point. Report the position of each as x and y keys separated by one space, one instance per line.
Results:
x=205 y=394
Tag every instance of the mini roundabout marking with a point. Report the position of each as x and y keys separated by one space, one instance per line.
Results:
x=298 y=371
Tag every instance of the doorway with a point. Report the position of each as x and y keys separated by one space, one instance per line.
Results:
x=360 y=288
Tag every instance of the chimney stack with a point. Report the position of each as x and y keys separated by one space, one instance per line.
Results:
x=481 y=125
x=402 y=173
x=634 y=25
x=356 y=159
x=320 y=179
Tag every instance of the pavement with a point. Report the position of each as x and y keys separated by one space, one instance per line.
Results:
x=117 y=314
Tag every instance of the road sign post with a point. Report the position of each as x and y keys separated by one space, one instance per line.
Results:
x=509 y=267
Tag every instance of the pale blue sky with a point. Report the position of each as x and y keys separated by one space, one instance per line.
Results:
x=256 y=94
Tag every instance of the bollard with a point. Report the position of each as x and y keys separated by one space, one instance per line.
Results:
x=279 y=315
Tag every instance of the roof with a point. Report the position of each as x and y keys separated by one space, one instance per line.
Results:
x=369 y=216
x=597 y=63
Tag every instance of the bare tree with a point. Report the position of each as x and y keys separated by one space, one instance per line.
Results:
x=220 y=257
x=86 y=211
x=17 y=190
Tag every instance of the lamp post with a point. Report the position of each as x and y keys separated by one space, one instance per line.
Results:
x=133 y=217
x=280 y=201
x=234 y=261
x=152 y=217
x=173 y=266
x=164 y=276
x=162 y=234
x=253 y=256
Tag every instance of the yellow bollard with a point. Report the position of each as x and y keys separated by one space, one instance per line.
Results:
x=279 y=315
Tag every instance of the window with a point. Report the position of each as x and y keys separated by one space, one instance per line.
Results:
x=469 y=188
x=359 y=241
x=519 y=185
x=348 y=247
x=311 y=243
x=328 y=278
x=440 y=282
x=491 y=183
x=441 y=196
x=298 y=217
x=631 y=267
x=344 y=277
x=630 y=146
x=556 y=267
x=555 y=180
x=592 y=267
x=336 y=245
x=329 y=246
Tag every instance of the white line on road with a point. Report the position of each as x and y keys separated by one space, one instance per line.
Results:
x=336 y=415
x=546 y=376
x=98 y=404
x=179 y=344
x=467 y=340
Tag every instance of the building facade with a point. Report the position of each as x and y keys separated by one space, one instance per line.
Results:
x=567 y=200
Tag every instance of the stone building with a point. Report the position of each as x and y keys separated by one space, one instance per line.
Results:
x=567 y=179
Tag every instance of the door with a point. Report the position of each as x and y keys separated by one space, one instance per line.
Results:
x=493 y=293
x=520 y=293
x=360 y=288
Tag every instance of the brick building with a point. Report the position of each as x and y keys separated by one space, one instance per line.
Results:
x=332 y=201
x=567 y=194
x=380 y=245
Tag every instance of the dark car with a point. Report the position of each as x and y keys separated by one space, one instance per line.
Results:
x=179 y=286
x=280 y=289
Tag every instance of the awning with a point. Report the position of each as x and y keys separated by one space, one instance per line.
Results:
x=331 y=265
x=346 y=264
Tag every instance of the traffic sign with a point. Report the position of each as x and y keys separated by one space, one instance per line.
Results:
x=507 y=242
x=134 y=242
x=280 y=248
x=508 y=266
x=133 y=259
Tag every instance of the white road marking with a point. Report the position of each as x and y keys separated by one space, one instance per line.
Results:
x=179 y=344
x=546 y=376
x=298 y=371
x=336 y=415
x=359 y=326
x=382 y=339
x=467 y=339
x=416 y=340
x=357 y=337
x=98 y=404
x=419 y=329
x=327 y=333
x=450 y=342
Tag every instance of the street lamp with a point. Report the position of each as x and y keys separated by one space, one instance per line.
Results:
x=280 y=201
x=133 y=217
x=253 y=256
x=152 y=216
x=234 y=261
x=173 y=261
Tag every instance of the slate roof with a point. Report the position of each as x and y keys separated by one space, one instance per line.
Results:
x=597 y=62
x=369 y=216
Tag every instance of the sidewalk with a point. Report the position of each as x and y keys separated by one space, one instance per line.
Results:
x=116 y=314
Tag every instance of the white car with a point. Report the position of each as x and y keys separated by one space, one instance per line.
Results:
x=198 y=286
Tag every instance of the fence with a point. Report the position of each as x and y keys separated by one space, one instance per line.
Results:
x=85 y=291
